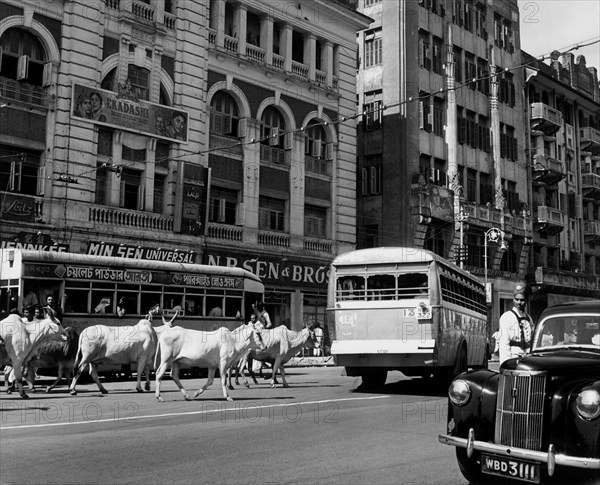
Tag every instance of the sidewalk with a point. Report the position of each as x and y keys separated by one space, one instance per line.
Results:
x=310 y=361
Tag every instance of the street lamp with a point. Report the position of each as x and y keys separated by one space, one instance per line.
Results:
x=493 y=235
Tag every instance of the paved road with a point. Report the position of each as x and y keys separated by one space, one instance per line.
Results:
x=317 y=431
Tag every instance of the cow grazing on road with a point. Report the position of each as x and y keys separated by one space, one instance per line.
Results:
x=116 y=345
x=54 y=354
x=21 y=339
x=281 y=345
x=212 y=350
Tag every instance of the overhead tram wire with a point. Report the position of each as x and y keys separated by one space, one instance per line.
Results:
x=553 y=54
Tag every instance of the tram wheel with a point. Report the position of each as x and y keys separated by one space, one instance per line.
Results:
x=373 y=380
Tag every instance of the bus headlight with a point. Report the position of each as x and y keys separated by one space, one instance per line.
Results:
x=588 y=404
x=459 y=392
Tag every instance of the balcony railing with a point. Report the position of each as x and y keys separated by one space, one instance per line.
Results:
x=547 y=170
x=255 y=53
x=591 y=229
x=545 y=118
x=299 y=69
x=230 y=43
x=590 y=139
x=118 y=218
x=279 y=62
x=557 y=277
x=224 y=232
x=590 y=185
x=22 y=92
x=276 y=239
x=318 y=245
x=551 y=218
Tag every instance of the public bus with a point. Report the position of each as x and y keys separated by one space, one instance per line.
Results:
x=406 y=309
x=112 y=291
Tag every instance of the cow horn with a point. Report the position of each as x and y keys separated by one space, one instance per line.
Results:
x=171 y=321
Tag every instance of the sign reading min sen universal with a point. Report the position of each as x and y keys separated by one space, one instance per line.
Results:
x=124 y=109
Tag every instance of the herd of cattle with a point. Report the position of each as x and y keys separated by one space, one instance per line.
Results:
x=30 y=346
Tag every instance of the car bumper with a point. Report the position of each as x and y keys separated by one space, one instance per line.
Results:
x=550 y=458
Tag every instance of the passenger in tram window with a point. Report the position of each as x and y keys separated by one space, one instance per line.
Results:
x=216 y=312
x=50 y=303
x=101 y=307
x=30 y=298
x=121 y=307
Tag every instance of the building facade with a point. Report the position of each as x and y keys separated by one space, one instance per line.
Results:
x=222 y=130
x=444 y=152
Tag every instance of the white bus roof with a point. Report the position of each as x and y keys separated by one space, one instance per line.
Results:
x=27 y=255
x=392 y=255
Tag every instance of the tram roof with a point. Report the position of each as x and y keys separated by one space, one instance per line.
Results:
x=28 y=255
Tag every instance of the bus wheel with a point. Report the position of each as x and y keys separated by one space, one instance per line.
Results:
x=373 y=380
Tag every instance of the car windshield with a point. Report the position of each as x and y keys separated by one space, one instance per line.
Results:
x=580 y=331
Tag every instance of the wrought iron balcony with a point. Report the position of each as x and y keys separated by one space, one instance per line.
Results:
x=545 y=119
x=547 y=170
x=550 y=219
x=589 y=139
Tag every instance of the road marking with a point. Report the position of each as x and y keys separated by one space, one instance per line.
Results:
x=188 y=413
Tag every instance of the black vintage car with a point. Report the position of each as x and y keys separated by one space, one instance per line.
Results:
x=538 y=418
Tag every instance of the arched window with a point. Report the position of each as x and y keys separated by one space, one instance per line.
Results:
x=272 y=138
x=23 y=57
x=316 y=152
x=224 y=114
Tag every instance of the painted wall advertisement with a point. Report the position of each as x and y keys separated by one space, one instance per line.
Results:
x=273 y=271
x=17 y=208
x=115 y=250
x=194 y=213
x=124 y=109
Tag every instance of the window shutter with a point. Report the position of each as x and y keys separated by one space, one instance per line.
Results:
x=288 y=141
x=226 y=120
x=14 y=184
x=122 y=194
x=242 y=127
x=365 y=182
x=329 y=151
x=316 y=148
x=1 y=52
x=273 y=136
x=421 y=116
x=23 y=67
x=240 y=214
x=41 y=180
x=47 y=76
x=141 y=198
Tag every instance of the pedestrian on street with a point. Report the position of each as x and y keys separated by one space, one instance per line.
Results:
x=516 y=326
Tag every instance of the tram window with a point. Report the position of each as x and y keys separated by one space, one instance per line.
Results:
x=174 y=301
x=214 y=306
x=102 y=301
x=127 y=303
x=76 y=300
x=194 y=305
x=149 y=299
x=198 y=291
x=233 y=307
x=104 y=285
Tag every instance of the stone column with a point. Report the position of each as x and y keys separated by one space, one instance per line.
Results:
x=113 y=182
x=327 y=62
x=217 y=21
x=266 y=38
x=310 y=54
x=251 y=182
x=297 y=184
x=148 y=176
x=286 y=46
x=240 y=26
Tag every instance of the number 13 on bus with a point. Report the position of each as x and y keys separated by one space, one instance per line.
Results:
x=405 y=309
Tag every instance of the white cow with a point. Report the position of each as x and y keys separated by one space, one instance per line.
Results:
x=281 y=345
x=21 y=339
x=212 y=350
x=116 y=345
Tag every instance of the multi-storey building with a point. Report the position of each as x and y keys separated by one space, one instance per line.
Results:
x=221 y=129
x=442 y=142
x=563 y=152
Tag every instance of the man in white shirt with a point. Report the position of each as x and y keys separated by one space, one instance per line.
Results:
x=516 y=326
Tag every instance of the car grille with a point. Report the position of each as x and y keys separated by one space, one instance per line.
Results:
x=520 y=409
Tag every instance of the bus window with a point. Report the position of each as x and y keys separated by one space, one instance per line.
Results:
x=413 y=284
x=174 y=302
x=350 y=288
x=233 y=305
x=214 y=305
x=381 y=287
x=194 y=305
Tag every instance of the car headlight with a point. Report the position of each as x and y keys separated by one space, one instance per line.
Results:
x=588 y=404
x=459 y=392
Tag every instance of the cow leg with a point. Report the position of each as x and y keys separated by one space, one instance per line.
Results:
x=223 y=372
x=30 y=378
x=82 y=365
x=175 y=366
x=60 y=374
x=250 y=363
x=282 y=372
x=94 y=374
x=141 y=366
x=277 y=365
x=147 y=372
x=160 y=372
x=19 y=380
x=209 y=381
x=230 y=371
x=241 y=369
